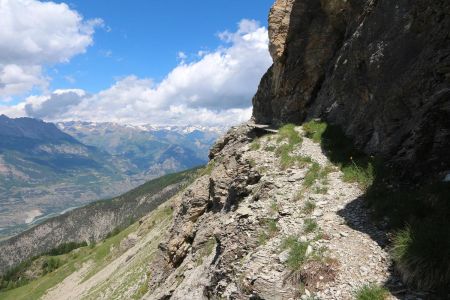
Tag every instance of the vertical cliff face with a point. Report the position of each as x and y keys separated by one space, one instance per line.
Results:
x=379 y=69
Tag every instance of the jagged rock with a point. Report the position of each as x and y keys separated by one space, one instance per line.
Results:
x=379 y=69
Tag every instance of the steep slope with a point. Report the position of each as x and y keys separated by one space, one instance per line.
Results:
x=379 y=69
x=43 y=171
x=268 y=225
x=93 y=222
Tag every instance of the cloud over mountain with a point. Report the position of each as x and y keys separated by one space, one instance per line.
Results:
x=214 y=89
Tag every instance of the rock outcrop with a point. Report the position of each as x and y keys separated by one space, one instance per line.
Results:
x=234 y=227
x=379 y=69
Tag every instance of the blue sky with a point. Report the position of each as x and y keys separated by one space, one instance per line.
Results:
x=146 y=36
x=108 y=60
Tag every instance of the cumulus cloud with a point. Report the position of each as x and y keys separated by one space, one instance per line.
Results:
x=35 y=34
x=215 y=89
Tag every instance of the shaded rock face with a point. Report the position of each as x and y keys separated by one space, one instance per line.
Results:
x=379 y=69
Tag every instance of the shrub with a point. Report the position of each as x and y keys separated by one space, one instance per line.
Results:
x=371 y=292
x=50 y=264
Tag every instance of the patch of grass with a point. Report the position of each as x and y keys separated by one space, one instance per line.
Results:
x=284 y=151
x=314 y=130
x=297 y=252
x=255 y=145
x=362 y=175
x=143 y=289
x=312 y=175
x=272 y=226
x=269 y=230
x=321 y=190
x=263 y=237
x=309 y=207
x=299 y=195
x=50 y=264
x=421 y=252
x=310 y=225
x=270 y=148
x=371 y=292
x=274 y=207
x=288 y=132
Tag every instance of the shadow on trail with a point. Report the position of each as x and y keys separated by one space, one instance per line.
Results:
x=410 y=219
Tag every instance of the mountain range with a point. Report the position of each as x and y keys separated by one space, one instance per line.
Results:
x=47 y=169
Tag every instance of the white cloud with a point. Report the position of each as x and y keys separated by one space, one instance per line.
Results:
x=35 y=34
x=216 y=89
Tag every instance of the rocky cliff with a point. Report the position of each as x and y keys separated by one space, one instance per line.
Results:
x=379 y=69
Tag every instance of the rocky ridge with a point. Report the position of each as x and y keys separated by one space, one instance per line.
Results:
x=230 y=225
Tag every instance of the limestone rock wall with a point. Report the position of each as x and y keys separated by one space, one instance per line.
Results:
x=380 y=69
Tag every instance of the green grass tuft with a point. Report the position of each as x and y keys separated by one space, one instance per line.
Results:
x=297 y=252
x=284 y=151
x=371 y=292
x=312 y=175
x=314 y=130
x=255 y=145
x=310 y=225
x=309 y=207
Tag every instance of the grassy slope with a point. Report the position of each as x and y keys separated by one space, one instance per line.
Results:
x=97 y=257
x=101 y=255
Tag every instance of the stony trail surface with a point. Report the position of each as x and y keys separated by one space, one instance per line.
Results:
x=249 y=205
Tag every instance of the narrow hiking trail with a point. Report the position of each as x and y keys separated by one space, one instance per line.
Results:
x=343 y=232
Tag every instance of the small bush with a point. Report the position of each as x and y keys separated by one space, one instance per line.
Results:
x=371 y=292
x=50 y=264
x=310 y=225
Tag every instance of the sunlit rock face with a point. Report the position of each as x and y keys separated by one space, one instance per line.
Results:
x=379 y=69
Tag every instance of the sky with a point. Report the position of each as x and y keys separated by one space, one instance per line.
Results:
x=166 y=62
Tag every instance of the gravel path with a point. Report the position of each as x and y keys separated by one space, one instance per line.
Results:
x=349 y=235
